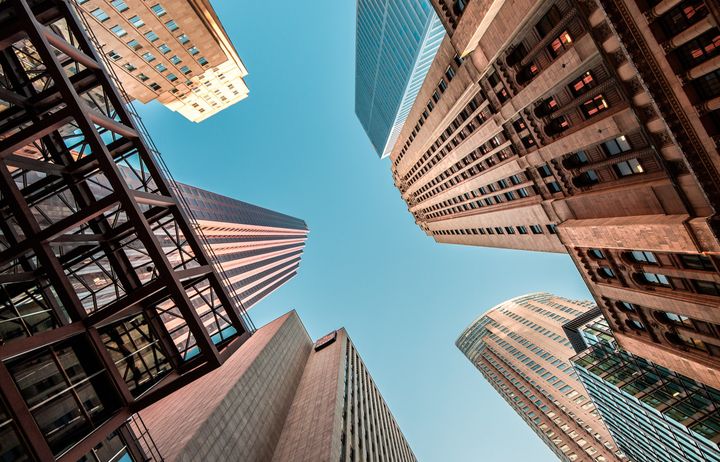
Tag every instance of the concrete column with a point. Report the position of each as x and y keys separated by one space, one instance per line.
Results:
x=662 y=8
x=705 y=24
x=702 y=69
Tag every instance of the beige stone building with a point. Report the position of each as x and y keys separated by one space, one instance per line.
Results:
x=589 y=128
x=519 y=346
x=173 y=51
x=281 y=398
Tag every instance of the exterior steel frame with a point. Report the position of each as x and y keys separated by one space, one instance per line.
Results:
x=31 y=250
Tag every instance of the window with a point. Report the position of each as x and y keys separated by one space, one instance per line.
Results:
x=642 y=256
x=583 y=84
x=552 y=228
x=151 y=36
x=160 y=67
x=171 y=77
x=563 y=42
x=605 y=272
x=522 y=229
x=436 y=96
x=185 y=70
x=193 y=51
x=118 y=30
x=706 y=287
x=626 y=307
x=183 y=39
x=576 y=160
x=172 y=25
x=129 y=67
x=202 y=61
x=596 y=254
x=449 y=73
x=119 y=5
x=673 y=318
x=67 y=397
x=442 y=86
x=175 y=59
x=594 y=106
x=616 y=146
x=628 y=168
x=113 y=55
x=634 y=324
x=697 y=262
x=548 y=21
x=536 y=229
x=164 y=49
x=137 y=21
x=544 y=171
x=553 y=187
x=158 y=10
x=154 y=86
x=148 y=57
x=655 y=279
x=100 y=15
x=134 y=44
x=142 y=77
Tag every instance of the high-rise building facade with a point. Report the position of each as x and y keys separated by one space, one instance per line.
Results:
x=281 y=398
x=258 y=249
x=173 y=51
x=653 y=413
x=582 y=127
x=520 y=348
x=108 y=298
x=396 y=42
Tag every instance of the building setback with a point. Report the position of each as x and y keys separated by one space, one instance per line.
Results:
x=652 y=413
x=258 y=249
x=519 y=347
x=395 y=44
x=281 y=398
x=173 y=51
x=108 y=298
x=588 y=128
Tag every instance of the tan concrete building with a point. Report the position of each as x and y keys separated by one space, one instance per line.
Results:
x=520 y=348
x=589 y=128
x=174 y=51
x=281 y=398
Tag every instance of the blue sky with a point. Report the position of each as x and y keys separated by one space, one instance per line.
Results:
x=295 y=146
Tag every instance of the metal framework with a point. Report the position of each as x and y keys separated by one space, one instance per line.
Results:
x=101 y=270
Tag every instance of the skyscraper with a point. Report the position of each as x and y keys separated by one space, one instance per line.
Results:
x=558 y=131
x=281 y=398
x=652 y=413
x=259 y=249
x=519 y=347
x=396 y=41
x=108 y=298
x=173 y=51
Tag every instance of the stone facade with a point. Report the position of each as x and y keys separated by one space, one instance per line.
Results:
x=280 y=399
x=588 y=128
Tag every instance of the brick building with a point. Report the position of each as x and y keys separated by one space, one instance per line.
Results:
x=588 y=128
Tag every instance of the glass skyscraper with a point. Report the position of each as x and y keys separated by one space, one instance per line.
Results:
x=396 y=43
x=653 y=414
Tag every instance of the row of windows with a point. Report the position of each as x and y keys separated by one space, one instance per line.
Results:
x=413 y=174
x=468 y=167
x=440 y=89
x=535 y=229
x=500 y=185
x=151 y=37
